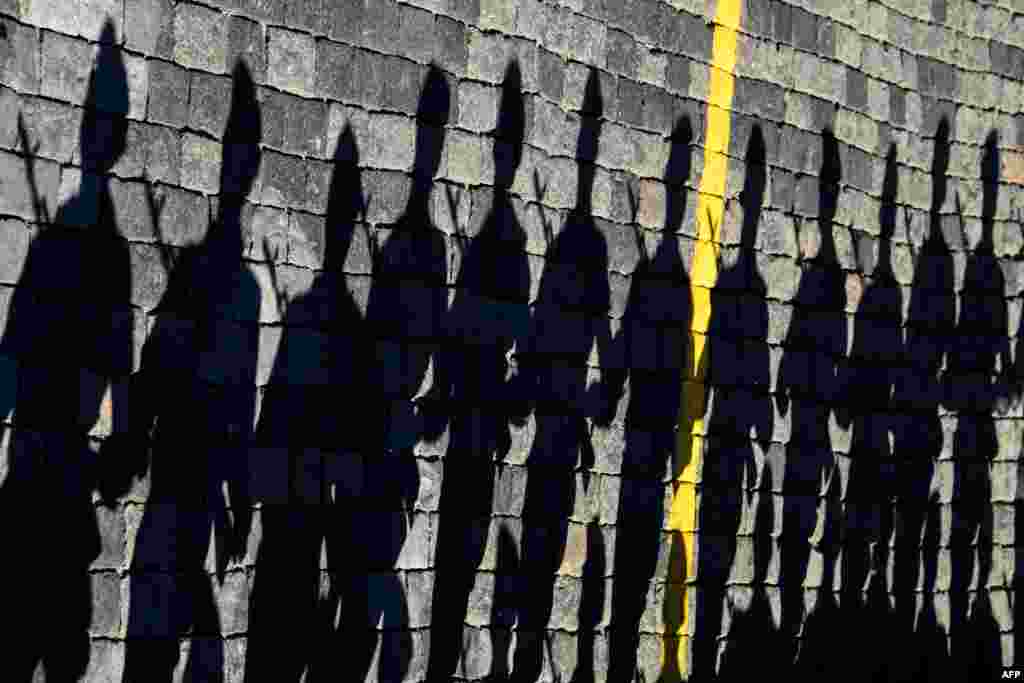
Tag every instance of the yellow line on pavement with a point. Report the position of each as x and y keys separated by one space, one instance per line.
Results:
x=703 y=274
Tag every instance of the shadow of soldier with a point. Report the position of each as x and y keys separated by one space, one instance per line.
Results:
x=569 y=318
x=193 y=399
x=70 y=330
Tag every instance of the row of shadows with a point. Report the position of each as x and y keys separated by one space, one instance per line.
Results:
x=374 y=382
x=841 y=576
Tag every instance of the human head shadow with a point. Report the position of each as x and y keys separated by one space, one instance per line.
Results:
x=591 y=122
x=239 y=165
x=104 y=127
x=68 y=328
x=569 y=318
x=653 y=343
x=739 y=376
x=486 y=320
x=510 y=131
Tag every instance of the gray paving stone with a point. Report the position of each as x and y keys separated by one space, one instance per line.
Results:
x=200 y=38
x=169 y=96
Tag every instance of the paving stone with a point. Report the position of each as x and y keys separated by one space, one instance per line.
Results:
x=451 y=51
x=19 y=61
x=54 y=15
x=479 y=110
x=66 y=65
x=308 y=15
x=486 y=56
x=52 y=128
x=372 y=80
x=416 y=37
x=380 y=25
x=200 y=163
x=306 y=128
x=169 y=97
x=335 y=67
x=291 y=59
x=200 y=38
x=149 y=27
x=551 y=74
x=16 y=199
x=282 y=179
x=403 y=83
x=209 y=103
x=346 y=22
x=622 y=53
x=17 y=235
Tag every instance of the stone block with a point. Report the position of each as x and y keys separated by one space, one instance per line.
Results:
x=336 y=71
x=200 y=38
x=55 y=15
x=451 y=51
x=67 y=65
x=621 y=54
x=209 y=101
x=19 y=57
x=149 y=27
x=380 y=25
x=16 y=236
x=52 y=128
x=416 y=37
x=184 y=216
x=403 y=80
x=392 y=142
x=169 y=101
x=200 y=163
x=16 y=197
x=308 y=15
x=291 y=59
x=479 y=110
x=106 y=604
x=283 y=180
x=346 y=22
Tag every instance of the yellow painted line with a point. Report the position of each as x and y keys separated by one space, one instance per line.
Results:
x=703 y=274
